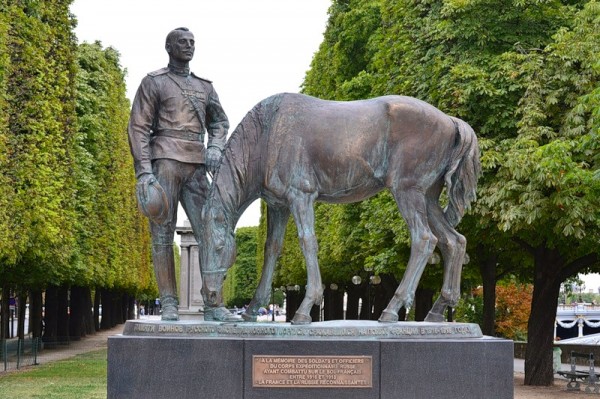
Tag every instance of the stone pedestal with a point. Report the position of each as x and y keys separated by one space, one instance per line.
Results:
x=343 y=359
x=191 y=304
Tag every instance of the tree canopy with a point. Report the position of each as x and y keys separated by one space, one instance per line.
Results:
x=525 y=76
x=67 y=206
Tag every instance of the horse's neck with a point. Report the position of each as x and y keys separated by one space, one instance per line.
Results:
x=237 y=181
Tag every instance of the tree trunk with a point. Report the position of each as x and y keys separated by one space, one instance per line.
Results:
x=76 y=328
x=62 y=327
x=131 y=308
x=4 y=313
x=35 y=313
x=328 y=304
x=292 y=303
x=35 y=316
x=352 y=302
x=117 y=308
x=423 y=303
x=97 y=315
x=21 y=316
x=487 y=269
x=50 y=317
x=88 y=312
x=384 y=293
x=105 y=298
x=540 y=330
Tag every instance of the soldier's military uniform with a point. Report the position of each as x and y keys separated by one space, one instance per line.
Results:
x=170 y=114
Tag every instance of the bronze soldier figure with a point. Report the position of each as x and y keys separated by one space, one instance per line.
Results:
x=172 y=110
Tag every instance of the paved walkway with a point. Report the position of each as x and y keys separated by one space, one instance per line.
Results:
x=88 y=344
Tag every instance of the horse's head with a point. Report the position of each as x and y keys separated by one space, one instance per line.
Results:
x=217 y=253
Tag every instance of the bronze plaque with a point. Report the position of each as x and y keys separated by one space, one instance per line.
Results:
x=312 y=371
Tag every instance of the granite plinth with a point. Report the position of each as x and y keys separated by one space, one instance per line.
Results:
x=336 y=329
x=364 y=360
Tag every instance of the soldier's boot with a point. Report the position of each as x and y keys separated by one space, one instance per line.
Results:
x=164 y=269
x=169 y=307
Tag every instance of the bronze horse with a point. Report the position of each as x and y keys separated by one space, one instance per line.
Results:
x=292 y=150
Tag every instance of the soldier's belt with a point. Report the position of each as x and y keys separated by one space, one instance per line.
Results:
x=181 y=134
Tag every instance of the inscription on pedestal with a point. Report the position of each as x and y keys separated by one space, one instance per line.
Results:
x=340 y=329
x=312 y=371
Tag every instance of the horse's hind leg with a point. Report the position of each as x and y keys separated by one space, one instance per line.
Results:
x=452 y=246
x=412 y=205
x=276 y=223
x=302 y=206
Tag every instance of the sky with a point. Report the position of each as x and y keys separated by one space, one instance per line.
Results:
x=250 y=49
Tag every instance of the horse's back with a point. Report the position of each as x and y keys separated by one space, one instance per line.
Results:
x=347 y=151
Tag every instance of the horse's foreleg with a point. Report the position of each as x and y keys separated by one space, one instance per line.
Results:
x=276 y=223
x=452 y=246
x=412 y=206
x=302 y=207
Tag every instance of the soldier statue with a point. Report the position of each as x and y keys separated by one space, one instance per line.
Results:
x=171 y=112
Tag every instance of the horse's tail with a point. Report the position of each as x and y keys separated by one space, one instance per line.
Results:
x=463 y=172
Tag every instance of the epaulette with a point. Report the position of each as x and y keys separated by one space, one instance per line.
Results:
x=198 y=77
x=160 y=71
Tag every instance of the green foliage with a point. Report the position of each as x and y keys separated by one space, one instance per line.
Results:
x=7 y=252
x=67 y=206
x=346 y=49
x=39 y=71
x=242 y=279
x=113 y=236
x=470 y=309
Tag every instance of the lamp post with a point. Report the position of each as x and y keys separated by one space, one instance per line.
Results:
x=369 y=270
x=356 y=280
x=372 y=280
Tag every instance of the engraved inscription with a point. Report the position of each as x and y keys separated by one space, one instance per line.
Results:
x=312 y=371
x=321 y=330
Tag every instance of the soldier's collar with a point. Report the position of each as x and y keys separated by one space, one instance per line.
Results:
x=179 y=71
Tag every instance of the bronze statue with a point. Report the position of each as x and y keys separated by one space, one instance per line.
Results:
x=292 y=150
x=172 y=110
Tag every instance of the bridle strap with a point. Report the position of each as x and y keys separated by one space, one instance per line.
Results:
x=214 y=271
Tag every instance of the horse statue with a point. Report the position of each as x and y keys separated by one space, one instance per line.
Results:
x=292 y=150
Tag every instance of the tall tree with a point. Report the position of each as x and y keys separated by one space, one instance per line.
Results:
x=546 y=192
x=40 y=113
x=241 y=279
x=523 y=75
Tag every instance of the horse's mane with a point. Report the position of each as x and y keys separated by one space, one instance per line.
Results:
x=242 y=159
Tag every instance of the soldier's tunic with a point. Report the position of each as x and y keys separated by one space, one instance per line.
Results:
x=165 y=124
x=170 y=114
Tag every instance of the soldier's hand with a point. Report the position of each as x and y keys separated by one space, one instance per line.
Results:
x=142 y=185
x=213 y=158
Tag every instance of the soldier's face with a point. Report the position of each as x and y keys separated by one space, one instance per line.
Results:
x=181 y=48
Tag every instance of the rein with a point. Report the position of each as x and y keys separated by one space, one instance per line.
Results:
x=214 y=271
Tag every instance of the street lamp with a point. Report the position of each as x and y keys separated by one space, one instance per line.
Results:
x=372 y=280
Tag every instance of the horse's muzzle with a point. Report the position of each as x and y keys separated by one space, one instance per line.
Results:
x=211 y=298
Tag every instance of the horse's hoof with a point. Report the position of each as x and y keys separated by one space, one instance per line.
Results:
x=388 y=316
x=300 y=319
x=434 y=317
x=248 y=317
x=220 y=314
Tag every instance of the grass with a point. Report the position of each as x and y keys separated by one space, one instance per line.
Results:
x=82 y=376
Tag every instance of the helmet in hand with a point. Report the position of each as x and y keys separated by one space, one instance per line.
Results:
x=156 y=208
